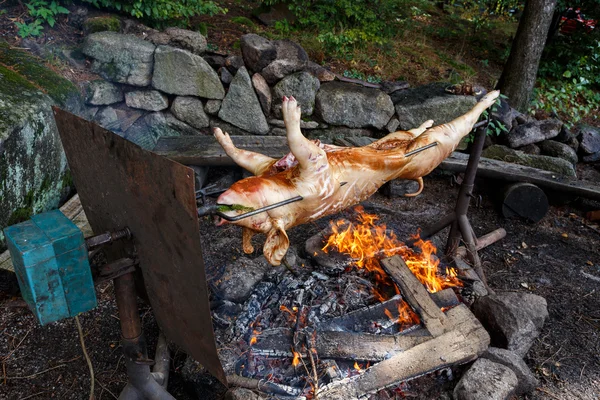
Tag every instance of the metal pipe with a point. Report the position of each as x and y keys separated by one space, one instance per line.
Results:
x=162 y=360
x=420 y=149
x=129 y=315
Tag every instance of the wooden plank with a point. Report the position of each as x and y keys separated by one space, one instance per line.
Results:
x=72 y=210
x=206 y=151
x=416 y=295
x=504 y=171
x=464 y=343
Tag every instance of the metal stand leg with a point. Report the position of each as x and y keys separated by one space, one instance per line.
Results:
x=458 y=220
x=142 y=383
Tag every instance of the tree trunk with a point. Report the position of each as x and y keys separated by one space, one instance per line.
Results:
x=518 y=77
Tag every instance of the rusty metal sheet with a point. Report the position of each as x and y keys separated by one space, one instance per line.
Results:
x=119 y=185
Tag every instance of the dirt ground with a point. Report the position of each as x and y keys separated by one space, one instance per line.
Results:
x=557 y=258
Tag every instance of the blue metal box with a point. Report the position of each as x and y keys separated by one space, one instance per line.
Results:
x=51 y=263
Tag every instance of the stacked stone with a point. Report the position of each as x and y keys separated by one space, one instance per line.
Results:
x=167 y=84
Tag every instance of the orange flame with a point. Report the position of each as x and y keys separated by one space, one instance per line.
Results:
x=296 y=359
x=366 y=242
x=357 y=367
x=253 y=338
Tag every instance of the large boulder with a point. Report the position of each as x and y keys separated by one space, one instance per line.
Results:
x=102 y=93
x=190 y=110
x=187 y=40
x=589 y=139
x=241 y=106
x=486 y=380
x=257 y=51
x=527 y=380
x=547 y=163
x=353 y=106
x=150 y=100
x=560 y=150
x=303 y=86
x=513 y=319
x=533 y=132
x=180 y=72
x=120 y=58
x=146 y=131
x=34 y=176
x=263 y=91
x=417 y=105
x=290 y=57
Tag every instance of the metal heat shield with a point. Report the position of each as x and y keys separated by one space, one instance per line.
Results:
x=121 y=185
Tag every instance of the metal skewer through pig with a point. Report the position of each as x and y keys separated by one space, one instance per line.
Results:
x=329 y=178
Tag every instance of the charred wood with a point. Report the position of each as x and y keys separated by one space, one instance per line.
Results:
x=465 y=342
x=416 y=295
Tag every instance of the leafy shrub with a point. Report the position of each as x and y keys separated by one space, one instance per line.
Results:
x=570 y=100
x=569 y=77
x=343 y=24
x=161 y=11
x=42 y=11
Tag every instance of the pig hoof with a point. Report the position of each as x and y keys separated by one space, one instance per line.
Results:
x=291 y=110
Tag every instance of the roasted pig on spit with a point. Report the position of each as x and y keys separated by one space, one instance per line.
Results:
x=329 y=178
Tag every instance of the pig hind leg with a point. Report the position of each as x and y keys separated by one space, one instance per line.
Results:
x=309 y=155
x=255 y=163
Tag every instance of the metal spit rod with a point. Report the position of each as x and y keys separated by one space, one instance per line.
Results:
x=214 y=209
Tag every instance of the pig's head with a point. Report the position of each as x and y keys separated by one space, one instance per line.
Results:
x=250 y=194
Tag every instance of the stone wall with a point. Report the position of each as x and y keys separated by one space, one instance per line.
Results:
x=167 y=84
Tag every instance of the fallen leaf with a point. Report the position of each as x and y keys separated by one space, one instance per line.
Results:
x=525 y=285
x=588 y=262
x=565 y=235
x=524 y=245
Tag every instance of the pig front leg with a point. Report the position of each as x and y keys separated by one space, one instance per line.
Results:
x=255 y=163
x=247 y=234
x=422 y=128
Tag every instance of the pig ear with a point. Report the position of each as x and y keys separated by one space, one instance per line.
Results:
x=277 y=245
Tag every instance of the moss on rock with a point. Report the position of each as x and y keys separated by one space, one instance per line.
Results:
x=102 y=24
x=26 y=67
x=547 y=163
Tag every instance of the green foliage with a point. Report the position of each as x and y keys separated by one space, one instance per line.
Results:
x=25 y=30
x=42 y=11
x=569 y=77
x=161 y=11
x=243 y=21
x=355 y=74
x=343 y=24
x=570 y=100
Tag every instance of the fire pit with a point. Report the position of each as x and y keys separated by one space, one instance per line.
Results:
x=373 y=314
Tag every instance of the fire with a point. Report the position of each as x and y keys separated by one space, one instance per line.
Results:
x=296 y=359
x=367 y=242
x=357 y=367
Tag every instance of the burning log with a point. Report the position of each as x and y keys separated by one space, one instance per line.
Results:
x=375 y=318
x=465 y=342
x=334 y=339
x=416 y=295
